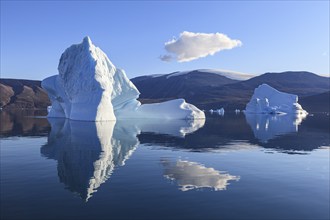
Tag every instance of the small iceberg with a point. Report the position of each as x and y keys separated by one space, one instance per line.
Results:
x=267 y=100
x=220 y=111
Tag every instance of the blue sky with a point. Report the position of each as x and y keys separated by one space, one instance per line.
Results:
x=275 y=35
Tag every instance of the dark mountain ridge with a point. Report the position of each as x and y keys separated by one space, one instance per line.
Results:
x=172 y=87
x=232 y=95
x=316 y=103
x=206 y=90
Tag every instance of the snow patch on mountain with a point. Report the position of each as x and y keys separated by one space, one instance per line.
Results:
x=226 y=73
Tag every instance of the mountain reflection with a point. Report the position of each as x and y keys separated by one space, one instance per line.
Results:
x=191 y=175
x=88 y=152
x=18 y=122
x=266 y=127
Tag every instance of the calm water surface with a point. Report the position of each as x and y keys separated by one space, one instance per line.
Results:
x=228 y=167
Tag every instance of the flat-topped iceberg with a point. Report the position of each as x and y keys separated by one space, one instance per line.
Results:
x=267 y=100
x=90 y=88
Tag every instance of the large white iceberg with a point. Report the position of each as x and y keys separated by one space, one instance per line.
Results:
x=90 y=88
x=267 y=100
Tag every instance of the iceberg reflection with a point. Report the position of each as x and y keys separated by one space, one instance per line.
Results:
x=191 y=175
x=19 y=122
x=177 y=128
x=266 y=127
x=88 y=152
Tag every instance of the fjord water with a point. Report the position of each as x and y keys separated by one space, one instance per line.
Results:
x=230 y=167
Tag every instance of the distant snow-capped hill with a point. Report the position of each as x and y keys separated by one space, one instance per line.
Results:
x=209 y=90
x=226 y=73
x=301 y=83
x=178 y=84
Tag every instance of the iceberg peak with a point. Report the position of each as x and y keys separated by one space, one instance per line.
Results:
x=90 y=88
x=87 y=41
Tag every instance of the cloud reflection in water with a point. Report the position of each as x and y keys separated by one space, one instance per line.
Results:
x=191 y=175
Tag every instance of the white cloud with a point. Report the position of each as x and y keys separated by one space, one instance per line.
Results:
x=191 y=46
x=166 y=58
